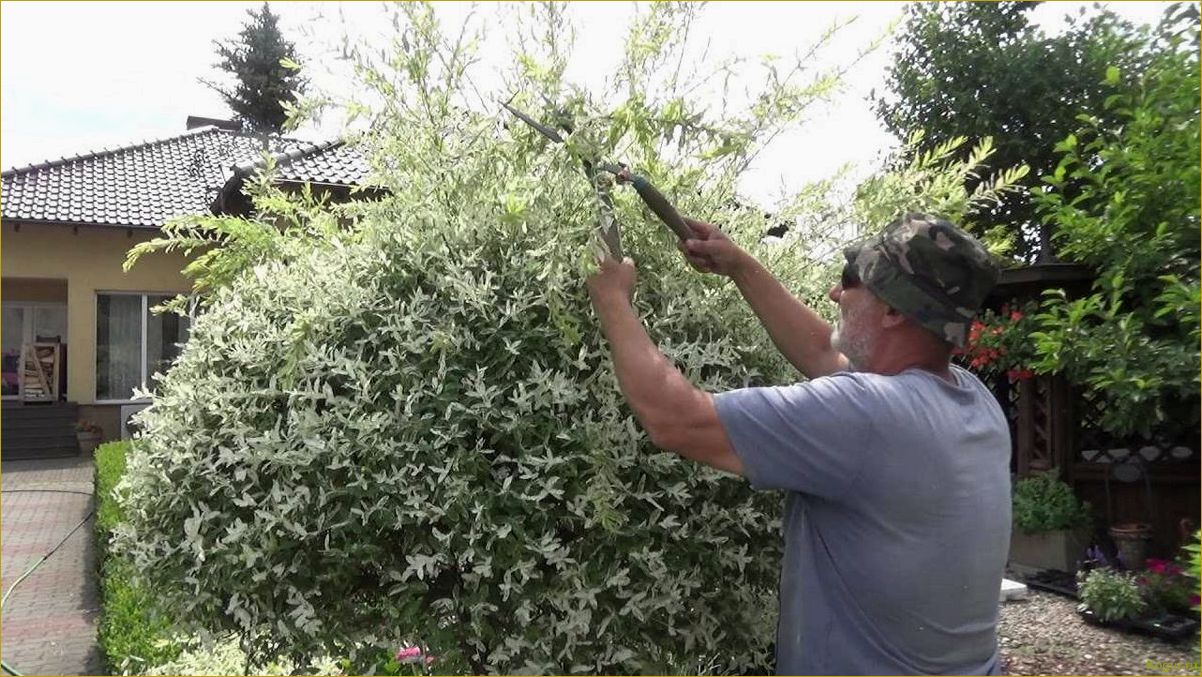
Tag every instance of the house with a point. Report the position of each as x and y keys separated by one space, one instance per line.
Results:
x=78 y=336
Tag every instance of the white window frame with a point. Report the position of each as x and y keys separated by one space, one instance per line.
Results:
x=145 y=313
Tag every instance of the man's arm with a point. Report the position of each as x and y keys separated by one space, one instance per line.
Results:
x=677 y=416
x=798 y=332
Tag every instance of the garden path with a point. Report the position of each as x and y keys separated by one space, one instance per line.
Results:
x=48 y=625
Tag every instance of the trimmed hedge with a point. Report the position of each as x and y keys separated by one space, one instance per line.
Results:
x=109 y=467
x=132 y=634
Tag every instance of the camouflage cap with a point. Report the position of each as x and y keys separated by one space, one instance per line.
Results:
x=928 y=270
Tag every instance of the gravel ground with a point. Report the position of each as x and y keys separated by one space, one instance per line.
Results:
x=1043 y=635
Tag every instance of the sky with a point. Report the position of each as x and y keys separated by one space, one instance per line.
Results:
x=80 y=76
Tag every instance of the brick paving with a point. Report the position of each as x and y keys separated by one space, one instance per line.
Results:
x=49 y=622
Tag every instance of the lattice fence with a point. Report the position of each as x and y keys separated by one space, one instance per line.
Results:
x=1097 y=446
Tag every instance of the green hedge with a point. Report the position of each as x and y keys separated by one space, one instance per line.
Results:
x=110 y=466
x=132 y=635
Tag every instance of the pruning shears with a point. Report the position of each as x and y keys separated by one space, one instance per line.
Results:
x=651 y=196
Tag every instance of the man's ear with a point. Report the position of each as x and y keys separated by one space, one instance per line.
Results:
x=892 y=318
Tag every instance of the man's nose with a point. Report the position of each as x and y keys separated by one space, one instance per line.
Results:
x=835 y=292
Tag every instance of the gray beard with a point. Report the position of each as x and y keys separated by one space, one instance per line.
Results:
x=853 y=352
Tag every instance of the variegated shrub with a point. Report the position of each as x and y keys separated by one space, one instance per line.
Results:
x=411 y=431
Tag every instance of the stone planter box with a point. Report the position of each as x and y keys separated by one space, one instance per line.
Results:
x=87 y=442
x=1060 y=549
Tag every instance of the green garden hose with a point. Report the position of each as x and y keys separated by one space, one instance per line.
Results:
x=3 y=664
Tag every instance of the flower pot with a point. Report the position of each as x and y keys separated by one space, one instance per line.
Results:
x=87 y=442
x=1060 y=549
x=1131 y=540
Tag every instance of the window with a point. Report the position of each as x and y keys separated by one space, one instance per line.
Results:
x=132 y=343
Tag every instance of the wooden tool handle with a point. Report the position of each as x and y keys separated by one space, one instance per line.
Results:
x=663 y=209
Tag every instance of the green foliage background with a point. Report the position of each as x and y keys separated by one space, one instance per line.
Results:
x=978 y=69
x=1132 y=215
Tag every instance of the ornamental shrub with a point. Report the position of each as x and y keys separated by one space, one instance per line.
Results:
x=412 y=432
x=408 y=432
x=422 y=434
x=1044 y=503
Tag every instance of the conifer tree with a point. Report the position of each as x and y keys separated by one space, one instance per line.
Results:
x=263 y=84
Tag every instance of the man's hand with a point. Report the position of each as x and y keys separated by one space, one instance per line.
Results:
x=677 y=416
x=613 y=281
x=710 y=251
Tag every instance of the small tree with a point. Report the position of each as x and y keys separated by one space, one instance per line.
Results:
x=981 y=69
x=263 y=65
x=1133 y=216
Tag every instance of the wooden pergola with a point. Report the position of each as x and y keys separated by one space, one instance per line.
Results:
x=1053 y=426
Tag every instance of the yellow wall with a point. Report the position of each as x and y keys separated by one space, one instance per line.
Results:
x=38 y=291
x=89 y=260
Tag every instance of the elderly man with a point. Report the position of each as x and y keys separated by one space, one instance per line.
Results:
x=895 y=461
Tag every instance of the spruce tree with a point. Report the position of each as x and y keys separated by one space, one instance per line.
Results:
x=263 y=84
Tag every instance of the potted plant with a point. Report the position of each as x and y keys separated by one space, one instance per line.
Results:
x=88 y=434
x=1050 y=525
x=1158 y=601
x=1109 y=597
x=1131 y=540
x=1167 y=587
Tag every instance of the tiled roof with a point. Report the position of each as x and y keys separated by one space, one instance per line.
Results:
x=148 y=184
x=331 y=163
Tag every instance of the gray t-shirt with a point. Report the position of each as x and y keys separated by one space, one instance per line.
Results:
x=897 y=524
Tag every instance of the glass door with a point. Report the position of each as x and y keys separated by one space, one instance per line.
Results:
x=28 y=323
x=12 y=326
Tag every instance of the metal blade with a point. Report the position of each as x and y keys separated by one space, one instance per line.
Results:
x=541 y=129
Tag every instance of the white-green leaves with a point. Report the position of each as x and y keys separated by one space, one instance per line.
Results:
x=410 y=431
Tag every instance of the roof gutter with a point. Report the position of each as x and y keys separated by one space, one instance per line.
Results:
x=79 y=224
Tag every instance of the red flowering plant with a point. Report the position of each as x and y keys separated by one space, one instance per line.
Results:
x=1167 y=587
x=1000 y=342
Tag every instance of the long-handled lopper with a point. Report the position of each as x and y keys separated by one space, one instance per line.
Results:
x=651 y=196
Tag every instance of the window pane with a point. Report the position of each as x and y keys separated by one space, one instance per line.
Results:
x=49 y=324
x=165 y=333
x=13 y=326
x=118 y=345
